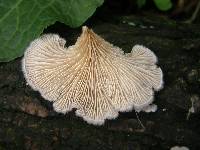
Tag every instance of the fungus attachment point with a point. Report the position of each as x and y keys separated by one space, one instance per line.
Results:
x=93 y=76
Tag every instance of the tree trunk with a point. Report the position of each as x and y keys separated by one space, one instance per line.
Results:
x=27 y=121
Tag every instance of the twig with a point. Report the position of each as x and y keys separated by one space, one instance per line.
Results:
x=194 y=15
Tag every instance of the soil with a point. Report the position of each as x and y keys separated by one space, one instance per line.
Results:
x=27 y=121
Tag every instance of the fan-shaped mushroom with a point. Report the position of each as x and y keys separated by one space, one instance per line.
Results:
x=93 y=76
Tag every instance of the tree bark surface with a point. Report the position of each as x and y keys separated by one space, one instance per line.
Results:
x=27 y=121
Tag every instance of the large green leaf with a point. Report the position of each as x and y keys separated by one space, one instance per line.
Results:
x=23 y=20
x=163 y=5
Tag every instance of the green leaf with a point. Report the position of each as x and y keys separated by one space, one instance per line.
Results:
x=163 y=5
x=21 y=21
x=141 y=3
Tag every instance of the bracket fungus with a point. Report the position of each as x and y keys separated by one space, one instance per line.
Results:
x=92 y=76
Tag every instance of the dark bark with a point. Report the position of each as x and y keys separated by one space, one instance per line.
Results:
x=27 y=121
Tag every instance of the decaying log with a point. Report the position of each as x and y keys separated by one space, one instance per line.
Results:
x=28 y=122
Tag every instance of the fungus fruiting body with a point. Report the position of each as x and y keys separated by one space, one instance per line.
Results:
x=92 y=76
